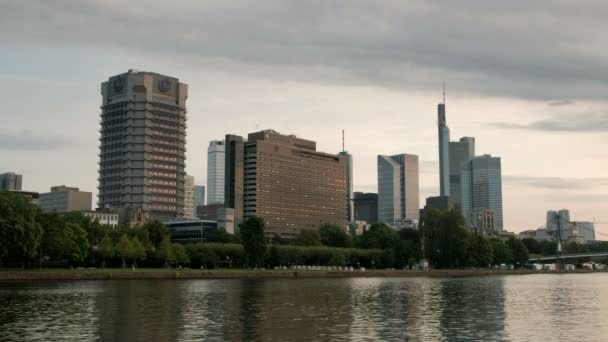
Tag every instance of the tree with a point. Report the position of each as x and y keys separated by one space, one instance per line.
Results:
x=181 y=258
x=164 y=252
x=379 y=236
x=106 y=249
x=548 y=247
x=479 y=251
x=519 y=252
x=75 y=243
x=445 y=238
x=333 y=235
x=123 y=249
x=501 y=252
x=157 y=231
x=254 y=241
x=532 y=245
x=137 y=251
x=20 y=232
x=309 y=237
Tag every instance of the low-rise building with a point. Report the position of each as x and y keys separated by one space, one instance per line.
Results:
x=63 y=199
x=107 y=217
x=190 y=230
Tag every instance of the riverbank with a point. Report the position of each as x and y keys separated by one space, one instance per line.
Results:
x=121 y=274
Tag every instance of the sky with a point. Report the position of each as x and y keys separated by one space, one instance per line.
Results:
x=527 y=79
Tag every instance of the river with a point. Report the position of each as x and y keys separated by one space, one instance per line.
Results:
x=543 y=307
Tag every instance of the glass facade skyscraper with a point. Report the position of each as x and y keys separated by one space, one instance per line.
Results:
x=444 y=151
x=398 y=189
x=481 y=189
x=461 y=152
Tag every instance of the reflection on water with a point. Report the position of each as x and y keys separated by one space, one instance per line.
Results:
x=518 y=308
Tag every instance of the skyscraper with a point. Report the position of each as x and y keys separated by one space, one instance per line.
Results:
x=286 y=181
x=189 y=209
x=143 y=137
x=10 y=181
x=461 y=152
x=234 y=177
x=557 y=219
x=444 y=151
x=366 y=207
x=481 y=189
x=350 y=200
x=215 y=171
x=199 y=196
x=398 y=190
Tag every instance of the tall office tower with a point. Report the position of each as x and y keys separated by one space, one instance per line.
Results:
x=189 y=209
x=481 y=189
x=234 y=176
x=586 y=229
x=366 y=207
x=557 y=219
x=143 y=137
x=444 y=151
x=398 y=190
x=285 y=181
x=350 y=200
x=199 y=196
x=63 y=199
x=215 y=171
x=461 y=152
x=10 y=181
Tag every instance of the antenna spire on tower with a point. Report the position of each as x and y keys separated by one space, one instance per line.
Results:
x=444 y=92
x=342 y=140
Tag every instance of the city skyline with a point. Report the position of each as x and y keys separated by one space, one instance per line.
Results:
x=548 y=120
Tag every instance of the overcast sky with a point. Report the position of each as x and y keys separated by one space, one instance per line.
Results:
x=528 y=79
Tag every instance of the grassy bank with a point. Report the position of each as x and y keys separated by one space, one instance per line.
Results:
x=125 y=274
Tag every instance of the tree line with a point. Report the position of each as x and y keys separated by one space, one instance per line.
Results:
x=31 y=238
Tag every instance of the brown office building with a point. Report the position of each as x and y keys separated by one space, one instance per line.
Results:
x=286 y=181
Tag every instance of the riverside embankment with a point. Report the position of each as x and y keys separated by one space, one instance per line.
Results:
x=120 y=274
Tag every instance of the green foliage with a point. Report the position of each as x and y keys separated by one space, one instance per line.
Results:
x=519 y=252
x=20 y=232
x=501 y=252
x=548 y=247
x=309 y=237
x=164 y=252
x=379 y=236
x=106 y=248
x=137 y=252
x=123 y=249
x=446 y=238
x=75 y=243
x=479 y=251
x=532 y=245
x=156 y=232
x=221 y=236
x=288 y=255
x=213 y=255
x=254 y=241
x=333 y=235
x=181 y=258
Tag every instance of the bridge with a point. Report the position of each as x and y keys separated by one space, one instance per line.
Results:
x=570 y=256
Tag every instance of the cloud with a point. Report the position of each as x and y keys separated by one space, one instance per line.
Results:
x=587 y=122
x=516 y=48
x=33 y=141
x=557 y=183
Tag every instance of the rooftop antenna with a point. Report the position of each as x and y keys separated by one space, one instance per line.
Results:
x=444 y=92
x=343 y=141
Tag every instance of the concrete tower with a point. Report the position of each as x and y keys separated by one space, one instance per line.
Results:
x=142 y=146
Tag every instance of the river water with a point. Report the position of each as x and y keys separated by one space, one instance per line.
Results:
x=544 y=307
